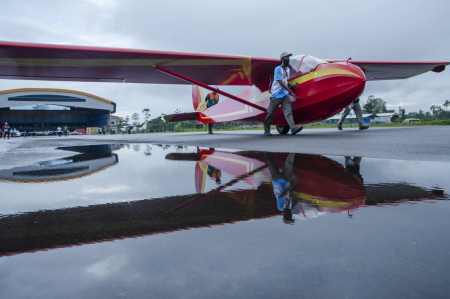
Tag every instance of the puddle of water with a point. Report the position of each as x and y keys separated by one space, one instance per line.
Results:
x=174 y=221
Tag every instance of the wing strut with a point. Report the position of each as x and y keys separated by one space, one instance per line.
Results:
x=164 y=70
x=214 y=191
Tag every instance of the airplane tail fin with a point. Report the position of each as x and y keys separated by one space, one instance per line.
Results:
x=201 y=171
x=198 y=98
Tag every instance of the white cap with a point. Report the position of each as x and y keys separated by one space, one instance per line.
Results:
x=284 y=54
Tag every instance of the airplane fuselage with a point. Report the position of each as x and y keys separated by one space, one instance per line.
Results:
x=324 y=91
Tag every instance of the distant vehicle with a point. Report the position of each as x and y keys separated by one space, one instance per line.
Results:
x=127 y=129
x=411 y=120
x=130 y=129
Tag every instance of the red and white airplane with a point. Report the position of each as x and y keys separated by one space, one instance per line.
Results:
x=325 y=86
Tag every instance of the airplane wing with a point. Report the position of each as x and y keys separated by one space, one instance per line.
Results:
x=391 y=70
x=25 y=61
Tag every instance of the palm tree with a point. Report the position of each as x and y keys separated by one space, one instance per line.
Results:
x=446 y=104
x=433 y=108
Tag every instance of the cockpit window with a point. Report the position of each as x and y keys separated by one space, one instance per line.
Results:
x=302 y=64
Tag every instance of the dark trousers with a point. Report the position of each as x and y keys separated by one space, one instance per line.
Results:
x=358 y=112
x=286 y=105
x=210 y=126
x=288 y=169
x=7 y=133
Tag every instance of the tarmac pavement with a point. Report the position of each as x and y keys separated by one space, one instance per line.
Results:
x=403 y=143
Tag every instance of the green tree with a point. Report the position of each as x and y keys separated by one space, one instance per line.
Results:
x=433 y=108
x=436 y=110
x=157 y=124
x=374 y=105
x=123 y=122
x=135 y=118
x=402 y=114
x=146 y=113
x=446 y=104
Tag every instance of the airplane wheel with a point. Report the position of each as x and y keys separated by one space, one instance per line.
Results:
x=283 y=129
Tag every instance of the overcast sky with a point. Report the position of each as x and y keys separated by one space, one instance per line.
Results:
x=373 y=30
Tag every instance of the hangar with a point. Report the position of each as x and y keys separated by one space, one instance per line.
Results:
x=42 y=109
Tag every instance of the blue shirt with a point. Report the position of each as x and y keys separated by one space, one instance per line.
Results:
x=277 y=90
x=278 y=188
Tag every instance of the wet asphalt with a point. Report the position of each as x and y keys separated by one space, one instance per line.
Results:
x=402 y=143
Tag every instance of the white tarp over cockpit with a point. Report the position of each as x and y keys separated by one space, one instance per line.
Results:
x=302 y=64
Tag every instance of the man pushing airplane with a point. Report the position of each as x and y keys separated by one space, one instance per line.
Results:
x=280 y=96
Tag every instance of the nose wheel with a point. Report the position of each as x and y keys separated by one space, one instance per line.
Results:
x=283 y=129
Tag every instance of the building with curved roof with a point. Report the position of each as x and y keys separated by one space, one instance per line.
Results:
x=41 y=109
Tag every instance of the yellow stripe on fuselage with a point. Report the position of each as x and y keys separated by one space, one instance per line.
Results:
x=322 y=73
x=323 y=202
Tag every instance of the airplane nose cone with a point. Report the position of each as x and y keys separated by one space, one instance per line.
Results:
x=327 y=90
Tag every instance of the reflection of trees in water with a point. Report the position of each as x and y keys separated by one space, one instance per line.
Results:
x=163 y=146
x=179 y=148
x=136 y=147
x=148 y=150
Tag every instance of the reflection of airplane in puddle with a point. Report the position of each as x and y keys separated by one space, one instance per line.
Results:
x=90 y=159
x=321 y=185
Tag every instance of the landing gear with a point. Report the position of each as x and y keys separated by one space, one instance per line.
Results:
x=283 y=129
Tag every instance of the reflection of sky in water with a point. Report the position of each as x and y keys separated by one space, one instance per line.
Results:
x=396 y=251
x=426 y=174
x=137 y=176
x=384 y=252
x=143 y=173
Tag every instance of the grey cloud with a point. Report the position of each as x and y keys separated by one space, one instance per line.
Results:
x=378 y=30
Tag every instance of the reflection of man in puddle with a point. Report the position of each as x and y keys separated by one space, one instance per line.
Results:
x=353 y=166
x=283 y=182
x=215 y=174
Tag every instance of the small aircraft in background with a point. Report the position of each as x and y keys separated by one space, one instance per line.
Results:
x=130 y=129
x=325 y=86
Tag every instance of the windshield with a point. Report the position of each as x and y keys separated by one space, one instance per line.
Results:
x=301 y=64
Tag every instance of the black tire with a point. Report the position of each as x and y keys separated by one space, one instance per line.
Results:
x=283 y=129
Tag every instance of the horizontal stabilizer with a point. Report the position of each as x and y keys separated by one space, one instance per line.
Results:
x=181 y=116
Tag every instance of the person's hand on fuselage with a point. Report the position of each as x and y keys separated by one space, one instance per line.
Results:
x=294 y=86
